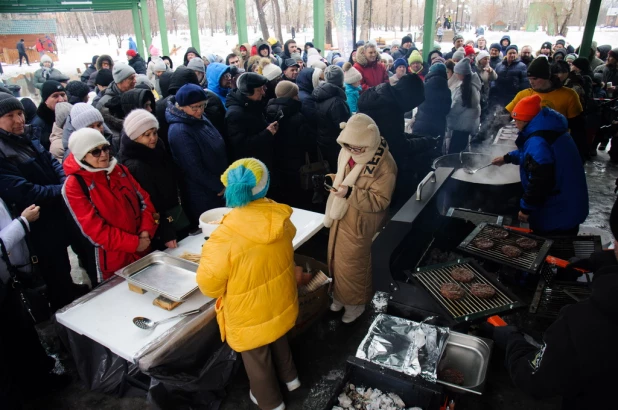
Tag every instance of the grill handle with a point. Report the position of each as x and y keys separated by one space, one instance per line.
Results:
x=496 y=321
x=429 y=177
x=561 y=263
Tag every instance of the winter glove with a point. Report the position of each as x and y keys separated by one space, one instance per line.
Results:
x=499 y=334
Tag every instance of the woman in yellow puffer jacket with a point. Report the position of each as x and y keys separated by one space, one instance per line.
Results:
x=248 y=265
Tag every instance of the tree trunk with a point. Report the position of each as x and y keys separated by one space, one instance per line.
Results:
x=569 y=12
x=409 y=17
x=366 y=21
x=81 y=28
x=329 y=21
x=262 y=19
x=212 y=21
x=401 y=12
x=233 y=14
x=277 y=19
x=298 y=17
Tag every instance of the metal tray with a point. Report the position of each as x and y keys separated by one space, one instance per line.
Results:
x=470 y=355
x=162 y=274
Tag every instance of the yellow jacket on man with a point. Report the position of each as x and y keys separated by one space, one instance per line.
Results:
x=248 y=264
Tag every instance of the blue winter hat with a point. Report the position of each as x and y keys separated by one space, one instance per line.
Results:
x=438 y=68
x=511 y=47
x=400 y=61
x=190 y=94
x=245 y=180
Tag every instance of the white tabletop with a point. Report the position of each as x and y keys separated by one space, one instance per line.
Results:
x=107 y=318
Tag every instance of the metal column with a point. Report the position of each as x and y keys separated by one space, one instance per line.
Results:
x=163 y=28
x=146 y=21
x=241 y=21
x=193 y=27
x=137 y=25
x=591 y=22
x=428 y=27
x=319 y=24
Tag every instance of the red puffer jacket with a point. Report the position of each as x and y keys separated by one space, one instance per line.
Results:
x=373 y=73
x=118 y=210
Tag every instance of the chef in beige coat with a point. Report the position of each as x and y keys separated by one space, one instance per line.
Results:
x=356 y=210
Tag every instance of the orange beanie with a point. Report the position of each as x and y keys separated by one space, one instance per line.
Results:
x=527 y=108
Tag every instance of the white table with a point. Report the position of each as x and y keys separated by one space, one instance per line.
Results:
x=106 y=314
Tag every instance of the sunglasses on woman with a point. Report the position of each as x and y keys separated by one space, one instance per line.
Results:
x=353 y=149
x=98 y=151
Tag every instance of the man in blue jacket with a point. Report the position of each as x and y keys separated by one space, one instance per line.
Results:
x=555 y=199
x=219 y=80
x=29 y=174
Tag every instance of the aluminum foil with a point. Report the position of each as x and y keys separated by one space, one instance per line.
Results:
x=405 y=346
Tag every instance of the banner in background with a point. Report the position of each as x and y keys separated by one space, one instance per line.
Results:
x=343 y=23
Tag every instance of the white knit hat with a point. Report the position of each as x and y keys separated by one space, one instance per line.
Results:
x=481 y=55
x=318 y=64
x=122 y=71
x=46 y=58
x=160 y=65
x=312 y=57
x=83 y=115
x=270 y=70
x=138 y=122
x=350 y=74
x=85 y=140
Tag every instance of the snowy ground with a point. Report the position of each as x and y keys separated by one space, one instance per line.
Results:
x=73 y=52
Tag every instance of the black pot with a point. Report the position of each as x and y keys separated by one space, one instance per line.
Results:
x=479 y=194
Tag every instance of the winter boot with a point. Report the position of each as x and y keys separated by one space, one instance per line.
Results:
x=352 y=312
x=254 y=400
x=336 y=306
x=293 y=385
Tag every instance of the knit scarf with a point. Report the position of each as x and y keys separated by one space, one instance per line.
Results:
x=337 y=207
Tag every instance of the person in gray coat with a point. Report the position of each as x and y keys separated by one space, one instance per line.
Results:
x=464 y=117
x=46 y=72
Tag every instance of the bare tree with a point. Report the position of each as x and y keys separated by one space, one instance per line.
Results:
x=81 y=27
x=259 y=4
x=172 y=12
x=365 y=21
x=329 y=21
x=277 y=19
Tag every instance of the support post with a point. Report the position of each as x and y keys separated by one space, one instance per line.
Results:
x=193 y=27
x=319 y=24
x=428 y=27
x=137 y=25
x=146 y=26
x=241 y=21
x=591 y=22
x=163 y=28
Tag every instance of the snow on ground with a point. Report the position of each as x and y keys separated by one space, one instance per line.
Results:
x=73 y=52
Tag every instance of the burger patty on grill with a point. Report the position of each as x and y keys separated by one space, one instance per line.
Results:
x=462 y=274
x=483 y=243
x=452 y=291
x=483 y=291
x=526 y=243
x=497 y=233
x=452 y=376
x=511 y=251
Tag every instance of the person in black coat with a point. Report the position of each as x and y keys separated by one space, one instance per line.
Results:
x=512 y=78
x=331 y=109
x=248 y=132
x=576 y=359
x=137 y=98
x=387 y=104
x=149 y=162
x=89 y=71
x=293 y=142
x=307 y=79
x=178 y=78
x=137 y=62
x=52 y=92
x=191 y=53
x=430 y=118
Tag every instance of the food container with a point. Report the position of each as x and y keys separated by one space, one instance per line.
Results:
x=211 y=215
x=162 y=274
x=470 y=355
x=414 y=391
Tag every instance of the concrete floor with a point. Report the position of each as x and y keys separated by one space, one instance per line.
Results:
x=320 y=354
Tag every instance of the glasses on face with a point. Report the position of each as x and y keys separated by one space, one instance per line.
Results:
x=353 y=149
x=227 y=76
x=98 y=151
x=197 y=107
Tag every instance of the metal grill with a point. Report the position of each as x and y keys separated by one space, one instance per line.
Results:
x=529 y=260
x=550 y=299
x=476 y=217
x=468 y=307
x=575 y=246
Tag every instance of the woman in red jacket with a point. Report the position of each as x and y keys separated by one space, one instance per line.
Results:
x=113 y=212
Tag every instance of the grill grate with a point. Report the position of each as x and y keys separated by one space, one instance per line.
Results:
x=575 y=246
x=550 y=299
x=476 y=217
x=529 y=261
x=469 y=307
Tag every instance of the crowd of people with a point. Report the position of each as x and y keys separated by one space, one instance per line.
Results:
x=129 y=156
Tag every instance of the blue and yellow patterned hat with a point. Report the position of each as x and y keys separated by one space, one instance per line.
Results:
x=245 y=180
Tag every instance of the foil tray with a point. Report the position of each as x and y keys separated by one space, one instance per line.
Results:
x=162 y=274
